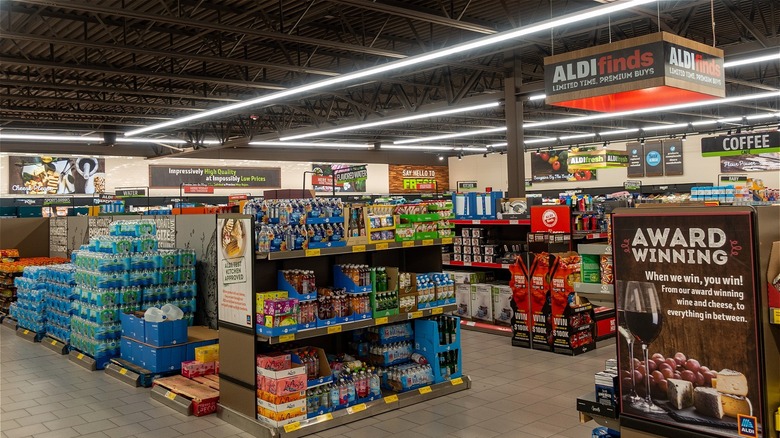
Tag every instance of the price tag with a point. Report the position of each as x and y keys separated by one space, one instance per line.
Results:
x=437 y=311
x=80 y=356
x=513 y=222
x=169 y=395
x=287 y=338
x=334 y=329
x=775 y=316
x=325 y=417
x=292 y=427
x=476 y=222
x=312 y=252
x=407 y=244
x=466 y=263
x=357 y=408
x=382 y=320
x=123 y=371
x=425 y=390
x=427 y=242
x=458 y=381
x=26 y=332
x=446 y=240
x=380 y=246
x=417 y=314
x=359 y=248
x=54 y=343
x=391 y=398
x=471 y=323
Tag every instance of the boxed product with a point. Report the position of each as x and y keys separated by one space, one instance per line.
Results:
x=193 y=368
x=282 y=382
x=274 y=361
x=574 y=331
x=482 y=302
x=591 y=268
x=502 y=298
x=606 y=325
x=466 y=277
x=207 y=353
x=407 y=293
x=463 y=300
x=606 y=269
x=522 y=322
x=280 y=399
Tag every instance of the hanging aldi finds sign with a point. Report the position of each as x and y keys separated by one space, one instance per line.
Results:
x=741 y=144
x=620 y=76
x=602 y=159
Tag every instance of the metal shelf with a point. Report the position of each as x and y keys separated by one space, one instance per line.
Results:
x=285 y=255
x=477 y=264
x=322 y=331
x=344 y=416
x=491 y=221
x=594 y=288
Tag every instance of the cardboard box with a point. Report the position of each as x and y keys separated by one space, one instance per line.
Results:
x=540 y=310
x=463 y=300
x=773 y=289
x=274 y=361
x=590 y=268
x=280 y=399
x=133 y=325
x=282 y=382
x=522 y=321
x=159 y=334
x=280 y=423
x=502 y=299
x=606 y=324
x=192 y=369
x=282 y=407
x=208 y=353
x=152 y=358
x=482 y=302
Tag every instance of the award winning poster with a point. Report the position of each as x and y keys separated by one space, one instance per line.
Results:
x=687 y=313
x=234 y=254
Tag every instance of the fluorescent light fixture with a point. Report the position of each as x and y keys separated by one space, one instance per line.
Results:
x=499 y=145
x=391 y=121
x=598 y=11
x=537 y=97
x=93 y=139
x=600 y=116
x=539 y=140
x=572 y=137
x=755 y=59
x=472 y=149
x=454 y=135
x=311 y=145
x=418 y=148
x=672 y=126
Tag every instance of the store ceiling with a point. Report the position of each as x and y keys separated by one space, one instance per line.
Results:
x=78 y=67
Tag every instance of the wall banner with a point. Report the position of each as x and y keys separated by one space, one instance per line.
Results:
x=349 y=178
x=234 y=282
x=673 y=157
x=161 y=176
x=47 y=175
x=636 y=160
x=416 y=179
x=552 y=166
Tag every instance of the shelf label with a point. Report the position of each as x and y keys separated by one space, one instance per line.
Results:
x=292 y=427
x=380 y=246
x=80 y=356
x=471 y=323
x=123 y=371
x=458 y=381
x=325 y=417
x=407 y=244
x=312 y=252
x=417 y=314
x=357 y=408
x=334 y=329
x=466 y=263
x=437 y=311
x=425 y=390
x=382 y=320
x=505 y=266
x=476 y=222
x=26 y=332
x=514 y=222
x=775 y=316
x=446 y=240
x=427 y=242
x=287 y=338
x=54 y=343
x=391 y=398
x=169 y=395
x=359 y=248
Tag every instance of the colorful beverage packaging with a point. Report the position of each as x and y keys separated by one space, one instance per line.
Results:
x=521 y=320
x=540 y=305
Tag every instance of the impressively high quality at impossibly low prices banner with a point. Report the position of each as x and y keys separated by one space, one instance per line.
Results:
x=46 y=175
x=687 y=313
x=216 y=176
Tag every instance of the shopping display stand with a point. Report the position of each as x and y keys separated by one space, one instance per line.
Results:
x=55 y=345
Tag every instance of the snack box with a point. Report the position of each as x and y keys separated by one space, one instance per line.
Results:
x=208 y=353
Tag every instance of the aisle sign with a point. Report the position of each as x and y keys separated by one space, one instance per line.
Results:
x=234 y=276
x=654 y=161
x=685 y=290
x=741 y=144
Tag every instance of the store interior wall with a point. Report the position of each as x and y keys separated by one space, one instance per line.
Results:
x=491 y=171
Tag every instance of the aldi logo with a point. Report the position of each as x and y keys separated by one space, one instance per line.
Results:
x=747 y=426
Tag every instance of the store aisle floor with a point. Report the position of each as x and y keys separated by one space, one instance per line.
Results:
x=515 y=393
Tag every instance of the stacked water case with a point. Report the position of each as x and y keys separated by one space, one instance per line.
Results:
x=29 y=308
x=125 y=272
x=60 y=295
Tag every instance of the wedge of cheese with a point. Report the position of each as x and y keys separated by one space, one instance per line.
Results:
x=707 y=402
x=731 y=382
x=734 y=405
x=680 y=393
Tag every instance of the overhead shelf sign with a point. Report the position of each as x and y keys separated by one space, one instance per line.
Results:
x=642 y=72
x=741 y=144
x=602 y=159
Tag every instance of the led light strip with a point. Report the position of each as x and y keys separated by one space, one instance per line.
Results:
x=312 y=145
x=85 y=139
x=455 y=135
x=599 y=11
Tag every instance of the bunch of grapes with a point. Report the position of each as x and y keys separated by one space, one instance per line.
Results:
x=662 y=368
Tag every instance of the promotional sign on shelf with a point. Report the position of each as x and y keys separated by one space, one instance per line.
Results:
x=619 y=76
x=550 y=219
x=687 y=303
x=234 y=276
x=161 y=176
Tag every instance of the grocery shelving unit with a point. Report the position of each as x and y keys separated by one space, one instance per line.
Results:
x=238 y=403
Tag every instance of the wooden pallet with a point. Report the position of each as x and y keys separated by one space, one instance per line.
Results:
x=186 y=396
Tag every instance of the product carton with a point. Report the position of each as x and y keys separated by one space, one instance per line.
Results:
x=773 y=286
x=482 y=302
x=208 y=353
x=502 y=299
x=574 y=330
x=565 y=272
x=606 y=325
x=540 y=301
x=282 y=382
x=522 y=321
x=407 y=292
x=463 y=300
x=280 y=399
x=591 y=268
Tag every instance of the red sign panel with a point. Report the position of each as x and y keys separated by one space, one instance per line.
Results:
x=199 y=189
x=550 y=219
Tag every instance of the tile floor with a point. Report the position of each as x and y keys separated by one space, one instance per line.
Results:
x=515 y=393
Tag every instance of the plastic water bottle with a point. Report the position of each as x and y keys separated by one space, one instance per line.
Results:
x=172 y=313
x=154 y=314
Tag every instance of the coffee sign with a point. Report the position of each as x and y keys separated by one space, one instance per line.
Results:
x=618 y=76
x=741 y=144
